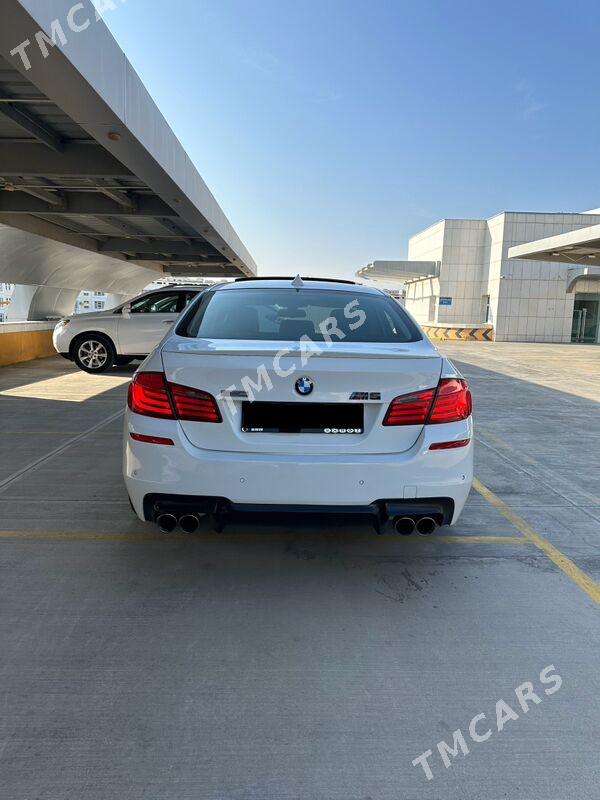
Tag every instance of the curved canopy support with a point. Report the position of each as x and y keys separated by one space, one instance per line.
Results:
x=36 y=260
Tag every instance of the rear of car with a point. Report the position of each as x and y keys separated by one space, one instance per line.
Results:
x=324 y=396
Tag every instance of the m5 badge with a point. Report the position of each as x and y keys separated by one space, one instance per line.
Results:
x=365 y=396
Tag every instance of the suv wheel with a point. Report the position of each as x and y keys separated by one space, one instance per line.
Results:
x=94 y=353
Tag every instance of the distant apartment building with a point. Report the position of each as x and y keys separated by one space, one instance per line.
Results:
x=6 y=290
x=90 y=301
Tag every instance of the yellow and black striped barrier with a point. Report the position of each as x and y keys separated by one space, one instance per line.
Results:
x=444 y=333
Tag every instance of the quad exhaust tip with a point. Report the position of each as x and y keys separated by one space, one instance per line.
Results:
x=404 y=525
x=189 y=523
x=407 y=525
x=166 y=522
x=426 y=526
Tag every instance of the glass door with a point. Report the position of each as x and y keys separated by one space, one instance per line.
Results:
x=585 y=320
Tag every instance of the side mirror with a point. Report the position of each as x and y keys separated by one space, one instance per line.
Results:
x=126 y=310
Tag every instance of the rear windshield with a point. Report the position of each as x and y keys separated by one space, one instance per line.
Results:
x=284 y=315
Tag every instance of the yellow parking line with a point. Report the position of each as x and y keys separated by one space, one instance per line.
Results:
x=82 y=536
x=473 y=539
x=155 y=536
x=571 y=570
x=19 y=433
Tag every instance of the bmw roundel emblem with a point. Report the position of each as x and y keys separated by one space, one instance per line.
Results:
x=304 y=385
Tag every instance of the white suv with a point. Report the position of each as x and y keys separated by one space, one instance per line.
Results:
x=97 y=340
x=312 y=395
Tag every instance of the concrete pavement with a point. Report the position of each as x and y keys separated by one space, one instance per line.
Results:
x=286 y=661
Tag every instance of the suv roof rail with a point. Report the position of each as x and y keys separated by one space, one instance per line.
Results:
x=170 y=284
x=291 y=278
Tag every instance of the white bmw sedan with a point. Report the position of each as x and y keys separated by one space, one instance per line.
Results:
x=298 y=395
x=100 y=339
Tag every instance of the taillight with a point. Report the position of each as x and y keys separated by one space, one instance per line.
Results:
x=410 y=409
x=148 y=395
x=194 y=405
x=151 y=395
x=450 y=402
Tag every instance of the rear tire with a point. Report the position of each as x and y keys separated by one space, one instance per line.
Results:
x=94 y=353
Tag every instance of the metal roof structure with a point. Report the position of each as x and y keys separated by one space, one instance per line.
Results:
x=398 y=272
x=581 y=246
x=96 y=191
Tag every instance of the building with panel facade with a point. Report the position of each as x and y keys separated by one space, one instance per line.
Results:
x=473 y=282
x=90 y=301
x=6 y=290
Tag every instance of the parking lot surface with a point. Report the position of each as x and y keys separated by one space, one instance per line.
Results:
x=297 y=661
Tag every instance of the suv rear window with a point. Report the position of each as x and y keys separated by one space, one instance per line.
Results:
x=288 y=314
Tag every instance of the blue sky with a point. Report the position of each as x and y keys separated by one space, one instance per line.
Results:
x=332 y=131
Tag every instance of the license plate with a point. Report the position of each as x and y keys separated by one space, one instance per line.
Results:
x=326 y=418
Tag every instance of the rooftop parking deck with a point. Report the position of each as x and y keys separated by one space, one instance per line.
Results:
x=289 y=660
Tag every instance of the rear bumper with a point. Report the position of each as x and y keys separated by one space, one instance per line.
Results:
x=441 y=509
x=296 y=481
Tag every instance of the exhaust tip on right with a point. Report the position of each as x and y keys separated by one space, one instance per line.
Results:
x=426 y=526
x=166 y=523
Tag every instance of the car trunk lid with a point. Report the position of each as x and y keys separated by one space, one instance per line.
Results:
x=344 y=376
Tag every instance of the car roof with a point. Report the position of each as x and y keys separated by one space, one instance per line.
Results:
x=168 y=286
x=330 y=284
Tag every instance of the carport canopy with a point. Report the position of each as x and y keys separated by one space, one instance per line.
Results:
x=581 y=246
x=96 y=192
x=398 y=271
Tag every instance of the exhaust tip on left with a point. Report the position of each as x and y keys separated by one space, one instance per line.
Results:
x=404 y=525
x=166 y=522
